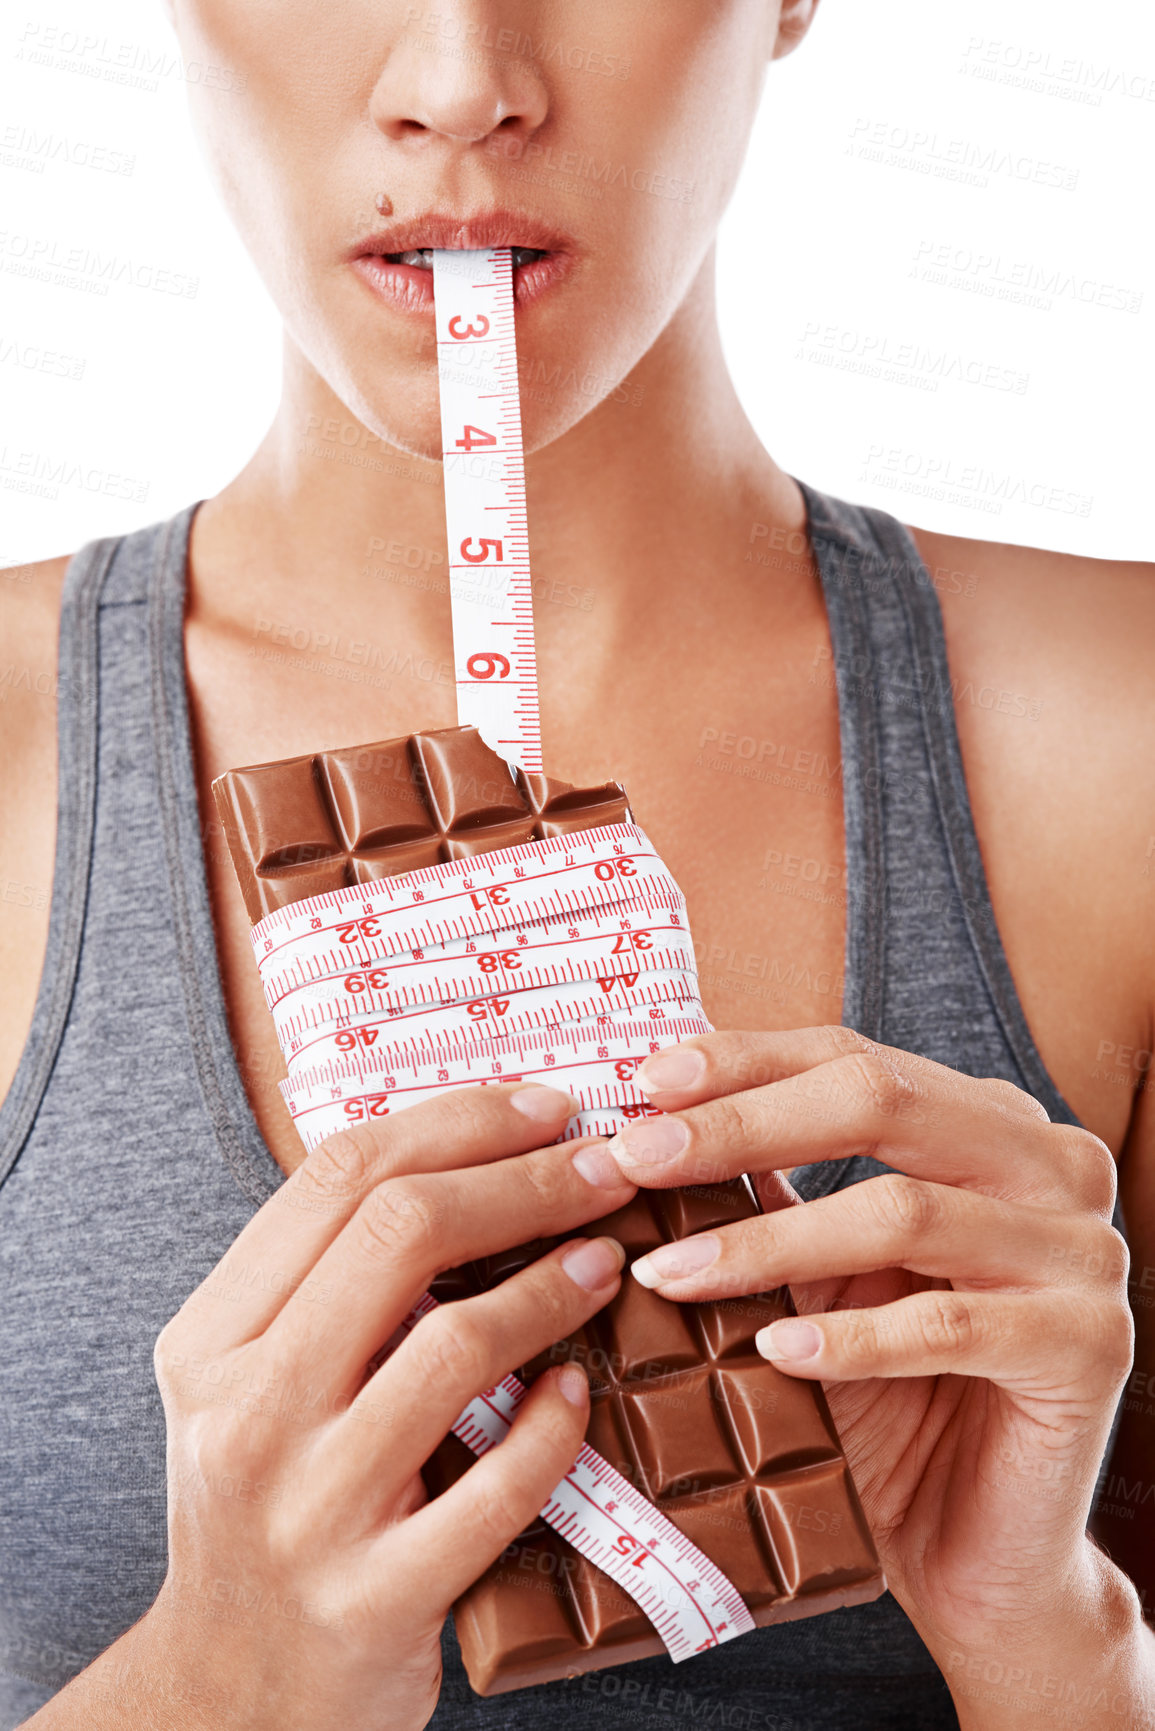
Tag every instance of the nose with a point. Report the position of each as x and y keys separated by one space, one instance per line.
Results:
x=459 y=72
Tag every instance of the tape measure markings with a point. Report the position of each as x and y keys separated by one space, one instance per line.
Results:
x=514 y=1012
x=583 y=955
x=594 y=1495
x=507 y=869
x=485 y=504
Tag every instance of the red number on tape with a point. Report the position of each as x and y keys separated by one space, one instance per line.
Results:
x=484 y=544
x=485 y=664
x=474 y=437
x=468 y=330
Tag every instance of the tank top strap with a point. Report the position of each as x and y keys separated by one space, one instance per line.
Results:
x=925 y=968
x=77 y=700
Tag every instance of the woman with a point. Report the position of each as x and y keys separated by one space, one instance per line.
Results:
x=966 y=1309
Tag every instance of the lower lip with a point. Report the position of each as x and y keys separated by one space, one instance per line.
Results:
x=411 y=289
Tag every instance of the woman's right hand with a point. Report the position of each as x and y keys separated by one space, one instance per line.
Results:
x=309 y=1576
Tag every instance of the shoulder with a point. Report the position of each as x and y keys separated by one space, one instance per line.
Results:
x=1050 y=661
x=1084 y=626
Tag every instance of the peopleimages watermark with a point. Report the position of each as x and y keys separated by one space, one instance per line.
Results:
x=47 y=259
x=31 y=358
x=902 y=362
x=966 y=160
x=970 y=484
x=476 y=39
x=1020 y=281
x=25 y=148
x=134 y=65
x=42 y=475
x=596 y=172
x=1026 y=67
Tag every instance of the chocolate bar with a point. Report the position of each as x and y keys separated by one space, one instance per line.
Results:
x=305 y=825
x=743 y=1459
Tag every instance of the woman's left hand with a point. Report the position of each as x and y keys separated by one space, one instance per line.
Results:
x=967 y=1314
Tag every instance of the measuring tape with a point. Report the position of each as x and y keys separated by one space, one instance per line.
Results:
x=520 y=1009
x=533 y=883
x=567 y=961
x=391 y=993
x=490 y=587
x=688 y=1599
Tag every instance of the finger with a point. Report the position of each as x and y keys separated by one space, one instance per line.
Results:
x=729 y=1061
x=461 y=1348
x=892 y=1222
x=276 y=1253
x=452 y=1540
x=1034 y=1345
x=410 y=1229
x=907 y=1112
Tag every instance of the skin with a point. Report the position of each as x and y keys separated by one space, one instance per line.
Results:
x=638 y=484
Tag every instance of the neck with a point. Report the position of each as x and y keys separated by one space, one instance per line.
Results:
x=667 y=462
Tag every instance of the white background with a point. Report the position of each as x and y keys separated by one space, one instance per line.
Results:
x=936 y=277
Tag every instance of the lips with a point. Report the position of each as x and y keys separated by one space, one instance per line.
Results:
x=397 y=261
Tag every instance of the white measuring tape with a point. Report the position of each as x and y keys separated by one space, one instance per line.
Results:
x=368 y=1028
x=567 y=961
x=490 y=586
x=687 y=1598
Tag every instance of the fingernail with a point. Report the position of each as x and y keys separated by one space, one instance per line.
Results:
x=543 y=1105
x=675 y=1261
x=594 y=1262
x=572 y=1383
x=598 y=1166
x=652 y=1142
x=682 y=1067
x=789 y=1339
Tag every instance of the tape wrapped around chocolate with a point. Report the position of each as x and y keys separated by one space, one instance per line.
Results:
x=744 y=1460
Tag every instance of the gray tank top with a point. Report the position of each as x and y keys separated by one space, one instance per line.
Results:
x=130 y=1158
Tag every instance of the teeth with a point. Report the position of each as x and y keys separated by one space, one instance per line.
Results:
x=422 y=259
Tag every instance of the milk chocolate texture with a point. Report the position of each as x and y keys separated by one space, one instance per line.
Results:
x=308 y=824
x=743 y=1459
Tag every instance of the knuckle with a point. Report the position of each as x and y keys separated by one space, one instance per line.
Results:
x=555 y=1298
x=401 y=1220
x=453 y=1350
x=498 y=1511
x=859 y=1336
x=540 y=1177
x=904 y=1207
x=730 y=1120
x=1094 y=1173
x=1111 y=1339
x=1108 y=1257
x=341 y=1165
x=843 y=1042
x=946 y=1324
x=164 y=1354
x=875 y=1078
x=1007 y=1094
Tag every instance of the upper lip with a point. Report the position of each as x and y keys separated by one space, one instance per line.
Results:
x=497 y=228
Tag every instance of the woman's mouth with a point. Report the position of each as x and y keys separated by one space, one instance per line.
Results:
x=404 y=277
x=423 y=260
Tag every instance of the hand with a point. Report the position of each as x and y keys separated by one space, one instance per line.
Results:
x=308 y=1573
x=967 y=1315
